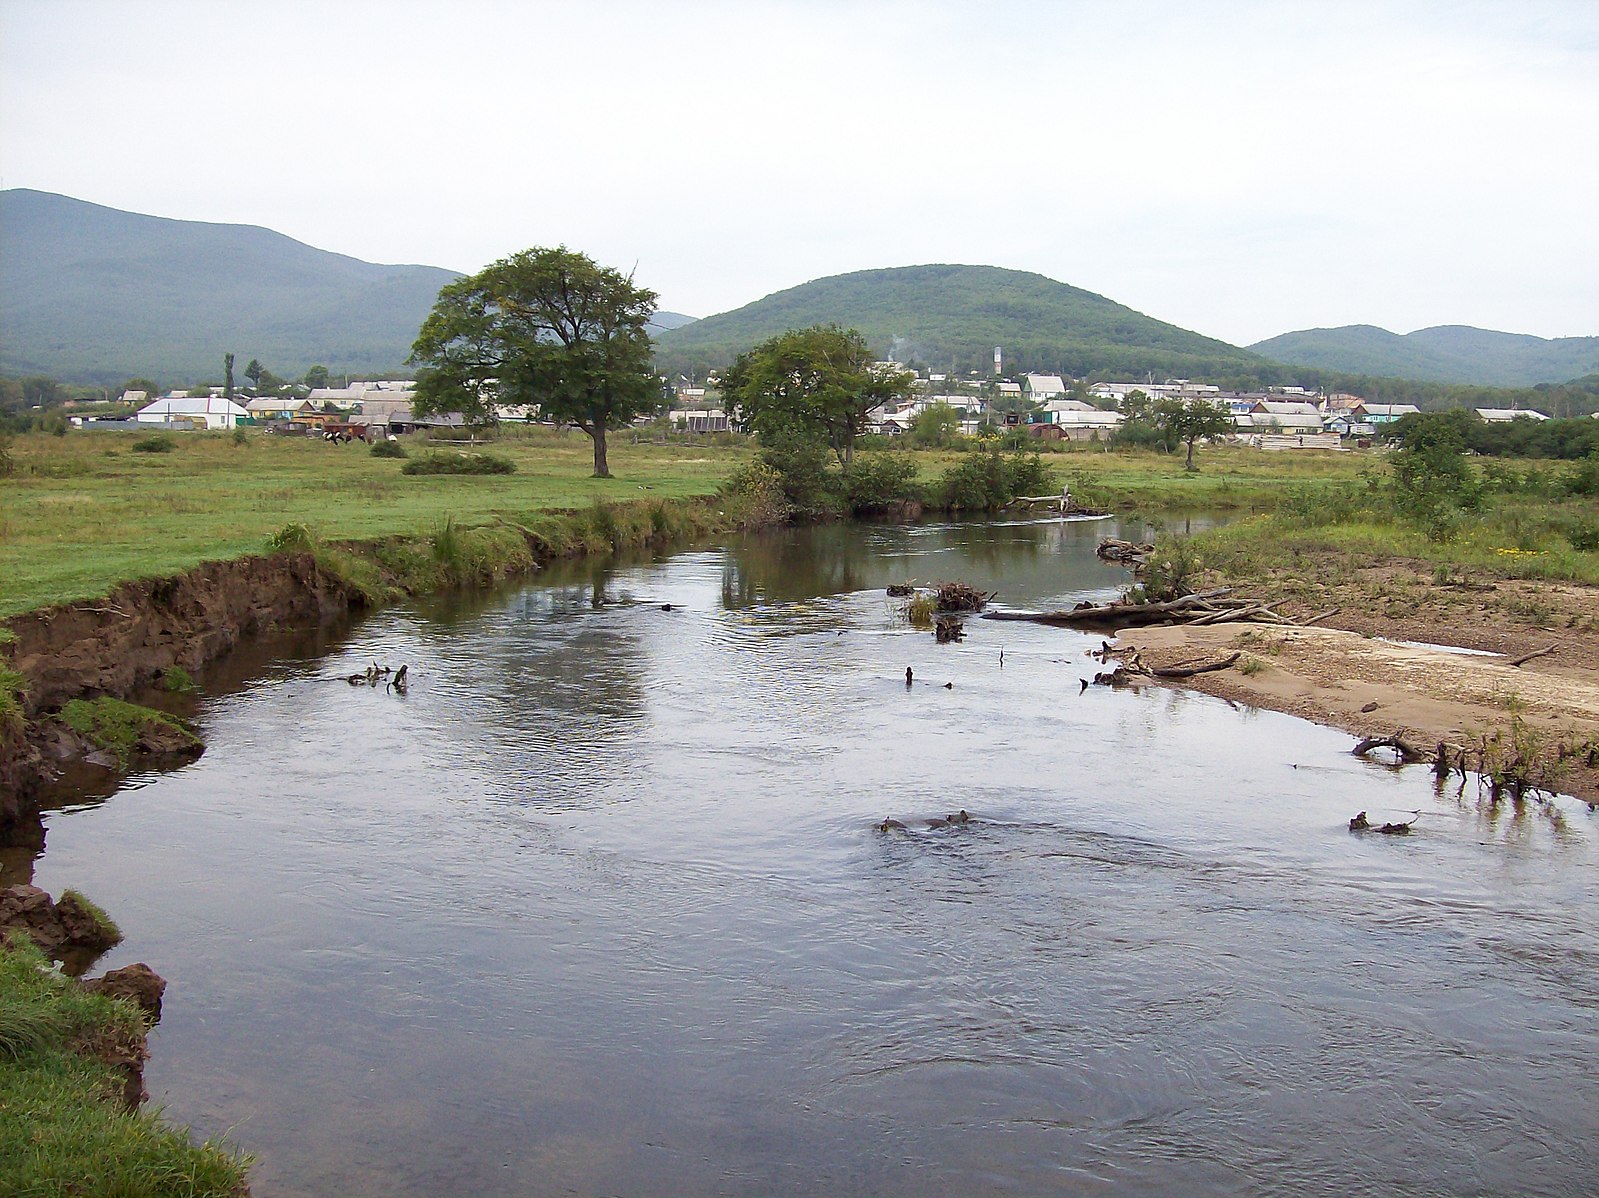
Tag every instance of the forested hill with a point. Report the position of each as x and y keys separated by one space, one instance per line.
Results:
x=1445 y=354
x=954 y=316
x=94 y=294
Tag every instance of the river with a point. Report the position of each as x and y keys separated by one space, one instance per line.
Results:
x=599 y=907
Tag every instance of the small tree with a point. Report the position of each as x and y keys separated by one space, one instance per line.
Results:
x=316 y=377
x=253 y=372
x=817 y=382
x=935 y=427
x=546 y=327
x=227 y=375
x=1194 y=421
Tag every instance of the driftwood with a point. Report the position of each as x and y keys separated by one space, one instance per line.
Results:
x=1526 y=657
x=1319 y=616
x=1361 y=824
x=1190 y=671
x=1114 y=613
x=958 y=596
x=1114 y=549
x=1408 y=752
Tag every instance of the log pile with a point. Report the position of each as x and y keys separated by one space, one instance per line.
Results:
x=1207 y=607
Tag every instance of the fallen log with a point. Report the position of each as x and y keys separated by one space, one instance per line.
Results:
x=1229 y=613
x=1125 y=614
x=1190 y=671
x=1319 y=616
x=1408 y=752
x=1526 y=657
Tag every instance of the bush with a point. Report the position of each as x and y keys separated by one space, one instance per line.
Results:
x=875 y=482
x=290 y=539
x=813 y=491
x=154 y=445
x=1170 y=571
x=755 y=494
x=459 y=463
x=388 y=449
x=985 y=481
x=8 y=464
x=1584 y=536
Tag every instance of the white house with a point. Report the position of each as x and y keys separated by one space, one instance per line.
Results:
x=210 y=412
x=1505 y=415
x=1382 y=413
x=1282 y=416
x=1041 y=388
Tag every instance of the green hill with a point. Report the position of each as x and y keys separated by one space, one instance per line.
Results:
x=954 y=316
x=1445 y=354
x=94 y=294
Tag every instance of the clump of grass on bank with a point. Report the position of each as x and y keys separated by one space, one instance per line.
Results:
x=177 y=680
x=62 y=1129
x=118 y=726
x=106 y=934
x=12 y=687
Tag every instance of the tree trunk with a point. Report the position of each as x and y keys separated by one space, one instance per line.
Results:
x=597 y=432
x=1189 y=465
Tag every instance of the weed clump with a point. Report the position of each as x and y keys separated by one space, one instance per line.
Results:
x=459 y=463
x=154 y=445
x=388 y=449
x=177 y=680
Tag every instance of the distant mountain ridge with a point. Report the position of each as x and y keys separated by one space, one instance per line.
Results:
x=98 y=295
x=95 y=294
x=1448 y=353
x=952 y=316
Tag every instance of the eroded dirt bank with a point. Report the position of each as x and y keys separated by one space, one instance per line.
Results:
x=129 y=640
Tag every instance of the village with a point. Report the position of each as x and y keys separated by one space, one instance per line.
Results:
x=1048 y=407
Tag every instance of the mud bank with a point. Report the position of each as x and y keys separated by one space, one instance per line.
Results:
x=127 y=641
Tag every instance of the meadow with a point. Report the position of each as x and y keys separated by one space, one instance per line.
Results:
x=83 y=512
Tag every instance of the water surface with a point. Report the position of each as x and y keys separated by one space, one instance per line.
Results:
x=598 y=907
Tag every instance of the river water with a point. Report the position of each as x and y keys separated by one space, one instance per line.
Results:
x=598 y=907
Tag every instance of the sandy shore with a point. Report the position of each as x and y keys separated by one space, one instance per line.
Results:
x=1372 y=686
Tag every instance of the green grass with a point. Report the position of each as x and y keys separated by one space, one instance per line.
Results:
x=84 y=513
x=115 y=725
x=62 y=1131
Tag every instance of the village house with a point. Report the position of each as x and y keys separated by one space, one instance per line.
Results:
x=1295 y=417
x=1382 y=413
x=700 y=420
x=1041 y=388
x=1506 y=415
x=183 y=412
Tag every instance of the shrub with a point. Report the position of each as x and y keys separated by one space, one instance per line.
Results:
x=812 y=490
x=1584 y=536
x=755 y=494
x=8 y=464
x=388 y=449
x=177 y=680
x=1170 y=571
x=154 y=445
x=985 y=481
x=874 y=482
x=459 y=463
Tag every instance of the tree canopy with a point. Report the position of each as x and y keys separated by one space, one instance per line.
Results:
x=546 y=327
x=817 y=382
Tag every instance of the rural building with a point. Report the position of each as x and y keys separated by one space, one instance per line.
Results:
x=185 y=412
x=1041 y=388
x=1382 y=413
x=1282 y=416
x=1505 y=415
x=700 y=420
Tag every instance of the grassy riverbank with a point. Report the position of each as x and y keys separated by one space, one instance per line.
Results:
x=62 y=1128
x=84 y=512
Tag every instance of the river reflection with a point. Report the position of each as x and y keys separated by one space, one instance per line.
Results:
x=598 y=907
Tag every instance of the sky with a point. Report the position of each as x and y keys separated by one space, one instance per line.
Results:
x=1237 y=168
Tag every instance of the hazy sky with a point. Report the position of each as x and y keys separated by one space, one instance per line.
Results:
x=1237 y=168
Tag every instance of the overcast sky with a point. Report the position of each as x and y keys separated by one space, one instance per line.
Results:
x=1237 y=168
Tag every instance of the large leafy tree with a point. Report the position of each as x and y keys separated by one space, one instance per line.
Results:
x=546 y=327
x=818 y=382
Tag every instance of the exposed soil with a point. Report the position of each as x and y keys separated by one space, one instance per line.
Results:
x=1349 y=672
x=127 y=641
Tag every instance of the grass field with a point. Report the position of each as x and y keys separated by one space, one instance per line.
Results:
x=84 y=512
